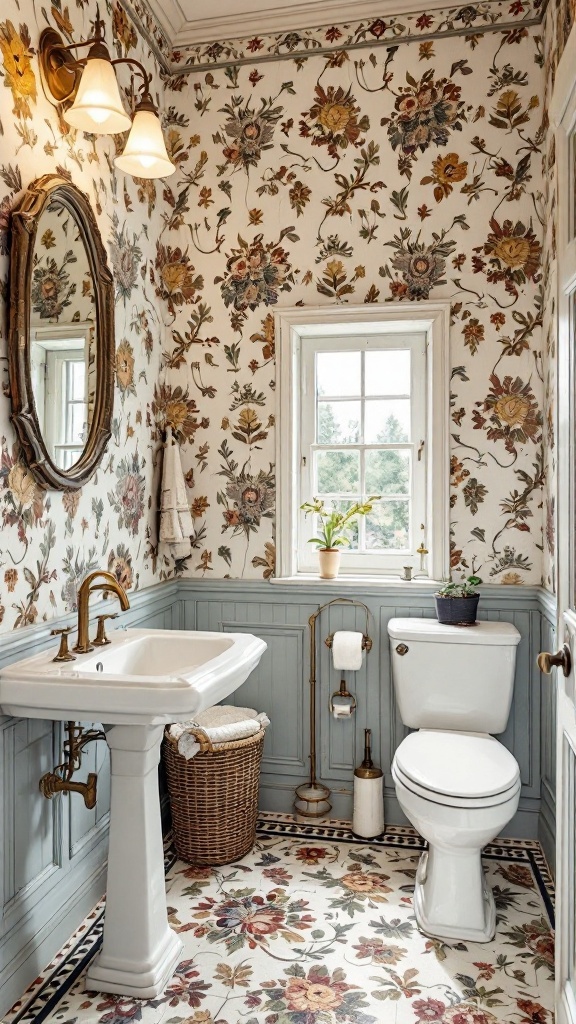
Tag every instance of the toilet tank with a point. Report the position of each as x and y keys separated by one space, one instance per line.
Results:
x=453 y=677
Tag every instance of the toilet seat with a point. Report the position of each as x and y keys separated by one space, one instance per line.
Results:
x=457 y=769
x=478 y=803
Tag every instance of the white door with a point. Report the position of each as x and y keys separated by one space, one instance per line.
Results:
x=563 y=120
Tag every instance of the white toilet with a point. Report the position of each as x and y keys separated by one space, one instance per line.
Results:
x=457 y=785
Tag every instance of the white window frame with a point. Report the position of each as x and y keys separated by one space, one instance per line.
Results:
x=50 y=348
x=294 y=327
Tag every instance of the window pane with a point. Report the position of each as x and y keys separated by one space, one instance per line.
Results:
x=387 y=526
x=338 y=373
x=387 y=373
x=388 y=472
x=76 y=419
x=338 y=422
x=65 y=458
x=337 y=472
x=387 y=422
x=77 y=382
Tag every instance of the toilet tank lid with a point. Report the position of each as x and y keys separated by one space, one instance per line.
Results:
x=492 y=634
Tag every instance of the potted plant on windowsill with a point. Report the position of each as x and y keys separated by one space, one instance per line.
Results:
x=457 y=603
x=333 y=532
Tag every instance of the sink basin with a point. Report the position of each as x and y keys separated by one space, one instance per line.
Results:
x=143 y=677
x=142 y=680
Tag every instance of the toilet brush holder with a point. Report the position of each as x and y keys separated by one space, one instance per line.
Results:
x=312 y=801
x=368 y=815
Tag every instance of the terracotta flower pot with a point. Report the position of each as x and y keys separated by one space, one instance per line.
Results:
x=329 y=563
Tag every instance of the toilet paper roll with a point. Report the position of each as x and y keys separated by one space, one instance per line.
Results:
x=347 y=650
x=342 y=710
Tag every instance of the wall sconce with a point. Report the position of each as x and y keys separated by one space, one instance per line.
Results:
x=88 y=89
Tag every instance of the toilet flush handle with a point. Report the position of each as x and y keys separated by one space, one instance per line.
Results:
x=562 y=659
x=402 y=649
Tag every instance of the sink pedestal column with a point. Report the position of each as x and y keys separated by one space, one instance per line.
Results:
x=139 y=950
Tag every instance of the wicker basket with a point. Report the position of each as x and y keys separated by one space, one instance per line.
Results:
x=214 y=798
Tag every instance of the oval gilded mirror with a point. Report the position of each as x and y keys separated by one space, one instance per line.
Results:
x=61 y=343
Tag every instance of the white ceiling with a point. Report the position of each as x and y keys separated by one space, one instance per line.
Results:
x=187 y=22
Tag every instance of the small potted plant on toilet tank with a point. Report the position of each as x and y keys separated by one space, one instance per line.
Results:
x=333 y=531
x=457 y=603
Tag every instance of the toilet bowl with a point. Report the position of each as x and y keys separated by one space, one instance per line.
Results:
x=451 y=897
x=454 y=781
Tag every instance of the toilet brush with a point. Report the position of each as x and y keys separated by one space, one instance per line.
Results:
x=368 y=815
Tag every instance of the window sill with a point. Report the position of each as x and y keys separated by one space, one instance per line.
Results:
x=355 y=581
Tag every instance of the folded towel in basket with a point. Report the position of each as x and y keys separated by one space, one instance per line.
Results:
x=227 y=723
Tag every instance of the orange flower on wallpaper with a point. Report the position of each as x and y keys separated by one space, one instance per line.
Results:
x=125 y=367
x=512 y=413
x=335 y=120
x=19 y=75
x=445 y=171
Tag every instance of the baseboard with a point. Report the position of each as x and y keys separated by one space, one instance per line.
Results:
x=547 y=827
x=280 y=798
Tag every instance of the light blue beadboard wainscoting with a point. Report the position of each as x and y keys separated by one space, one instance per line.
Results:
x=53 y=853
x=279 y=614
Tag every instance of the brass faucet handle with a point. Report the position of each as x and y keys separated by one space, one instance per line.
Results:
x=101 y=638
x=63 y=652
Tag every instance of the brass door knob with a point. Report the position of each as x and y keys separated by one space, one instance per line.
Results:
x=562 y=659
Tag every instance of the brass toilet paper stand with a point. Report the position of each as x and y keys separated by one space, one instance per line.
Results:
x=312 y=797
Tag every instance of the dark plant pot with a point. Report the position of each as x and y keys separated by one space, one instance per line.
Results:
x=457 y=611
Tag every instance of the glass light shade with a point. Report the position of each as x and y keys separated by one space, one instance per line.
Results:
x=145 y=153
x=98 y=107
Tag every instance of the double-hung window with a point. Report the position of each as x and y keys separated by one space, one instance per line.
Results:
x=363 y=412
x=59 y=356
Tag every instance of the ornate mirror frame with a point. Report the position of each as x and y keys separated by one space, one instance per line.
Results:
x=25 y=218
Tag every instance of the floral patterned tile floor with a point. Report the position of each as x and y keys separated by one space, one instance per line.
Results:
x=316 y=927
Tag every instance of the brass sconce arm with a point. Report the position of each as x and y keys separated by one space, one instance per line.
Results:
x=145 y=75
x=61 y=69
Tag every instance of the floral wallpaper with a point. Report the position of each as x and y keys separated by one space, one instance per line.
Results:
x=470 y=19
x=49 y=540
x=403 y=172
x=400 y=171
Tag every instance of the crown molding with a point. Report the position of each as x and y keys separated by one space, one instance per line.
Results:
x=293 y=18
x=182 y=46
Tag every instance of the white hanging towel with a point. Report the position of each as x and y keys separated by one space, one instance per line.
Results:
x=176 y=526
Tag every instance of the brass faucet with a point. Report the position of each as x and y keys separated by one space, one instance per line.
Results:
x=88 y=587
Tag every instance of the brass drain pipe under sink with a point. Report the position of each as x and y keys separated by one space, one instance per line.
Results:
x=60 y=780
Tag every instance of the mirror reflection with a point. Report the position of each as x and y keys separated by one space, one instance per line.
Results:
x=62 y=334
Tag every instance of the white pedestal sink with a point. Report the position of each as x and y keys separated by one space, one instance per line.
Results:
x=141 y=681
